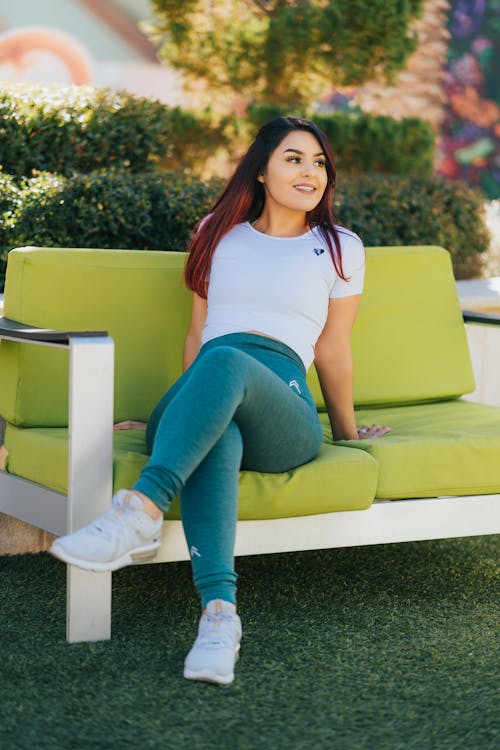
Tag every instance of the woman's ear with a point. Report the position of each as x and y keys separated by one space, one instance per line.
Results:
x=260 y=178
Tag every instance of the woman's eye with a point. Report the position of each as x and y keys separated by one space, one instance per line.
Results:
x=297 y=160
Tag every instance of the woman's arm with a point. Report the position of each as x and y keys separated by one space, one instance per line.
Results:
x=192 y=342
x=333 y=362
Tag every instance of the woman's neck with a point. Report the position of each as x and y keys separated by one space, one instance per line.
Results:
x=279 y=224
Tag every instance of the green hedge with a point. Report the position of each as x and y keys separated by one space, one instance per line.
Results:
x=78 y=128
x=111 y=209
x=157 y=211
x=10 y=203
x=367 y=143
x=390 y=210
x=193 y=139
x=81 y=129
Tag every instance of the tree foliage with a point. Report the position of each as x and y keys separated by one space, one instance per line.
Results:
x=284 y=51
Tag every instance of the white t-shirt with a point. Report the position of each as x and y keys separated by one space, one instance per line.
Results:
x=279 y=286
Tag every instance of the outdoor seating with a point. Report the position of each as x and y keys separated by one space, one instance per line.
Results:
x=122 y=316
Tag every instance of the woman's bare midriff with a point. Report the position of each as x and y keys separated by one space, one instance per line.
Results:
x=259 y=333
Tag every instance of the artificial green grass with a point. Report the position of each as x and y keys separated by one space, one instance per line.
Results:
x=381 y=647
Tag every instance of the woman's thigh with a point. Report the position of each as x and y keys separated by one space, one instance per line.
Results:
x=160 y=407
x=280 y=429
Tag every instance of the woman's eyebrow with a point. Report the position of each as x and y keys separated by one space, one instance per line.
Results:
x=296 y=151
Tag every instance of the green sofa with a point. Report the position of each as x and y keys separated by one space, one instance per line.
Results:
x=122 y=316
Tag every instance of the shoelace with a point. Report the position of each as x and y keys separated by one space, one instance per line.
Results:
x=216 y=631
x=114 y=518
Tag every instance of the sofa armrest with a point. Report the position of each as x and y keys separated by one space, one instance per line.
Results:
x=15 y=331
x=90 y=412
x=483 y=337
x=488 y=319
x=90 y=459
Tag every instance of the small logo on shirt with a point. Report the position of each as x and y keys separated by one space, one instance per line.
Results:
x=319 y=250
x=294 y=384
x=194 y=552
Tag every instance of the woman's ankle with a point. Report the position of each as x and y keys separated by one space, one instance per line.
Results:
x=148 y=506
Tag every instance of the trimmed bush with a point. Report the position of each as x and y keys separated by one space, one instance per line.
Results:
x=112 y=209
x=367 y=143
x=389 y=210
x=81 y=129
x=10 y=200
x=193 y=139
x=78 y=128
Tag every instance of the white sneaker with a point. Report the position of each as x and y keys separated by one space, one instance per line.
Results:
x=217 y=646
x=123 y=535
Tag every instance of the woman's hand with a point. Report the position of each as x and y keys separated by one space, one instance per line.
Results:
x=375 y=431
x=130 y=424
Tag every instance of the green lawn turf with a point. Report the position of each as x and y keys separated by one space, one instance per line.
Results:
x=377 y=647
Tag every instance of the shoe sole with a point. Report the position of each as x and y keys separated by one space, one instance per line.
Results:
x=134 y=557
x=206 y=675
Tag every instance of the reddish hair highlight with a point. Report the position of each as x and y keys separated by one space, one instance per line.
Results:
x=243 y=200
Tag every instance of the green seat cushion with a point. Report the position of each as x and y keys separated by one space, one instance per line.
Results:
x=449 y=448
x=338 y=479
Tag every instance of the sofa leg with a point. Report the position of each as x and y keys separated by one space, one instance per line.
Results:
x=88 y=605
x=90 y=478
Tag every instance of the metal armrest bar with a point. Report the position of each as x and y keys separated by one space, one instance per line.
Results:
x=90 y=462
x=488 y=319
x=12 y=329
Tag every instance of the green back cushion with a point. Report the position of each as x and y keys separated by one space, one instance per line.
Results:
x=139 y=297
x=409 y=341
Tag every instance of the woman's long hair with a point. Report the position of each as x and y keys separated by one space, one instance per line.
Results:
x=243 y=200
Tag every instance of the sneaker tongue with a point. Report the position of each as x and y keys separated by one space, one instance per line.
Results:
x=127 y=500
x=220 y=607
x=134 y=501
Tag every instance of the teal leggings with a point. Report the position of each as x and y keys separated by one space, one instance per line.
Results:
x=243 y=403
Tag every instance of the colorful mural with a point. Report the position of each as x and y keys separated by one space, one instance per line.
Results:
x=470 y=135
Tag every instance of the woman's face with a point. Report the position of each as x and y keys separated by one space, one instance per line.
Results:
x=295 y=177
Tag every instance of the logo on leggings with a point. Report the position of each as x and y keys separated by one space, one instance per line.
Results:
x=194 y=552
x=294 y=384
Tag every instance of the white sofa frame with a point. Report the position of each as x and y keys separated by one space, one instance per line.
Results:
x=91 y=383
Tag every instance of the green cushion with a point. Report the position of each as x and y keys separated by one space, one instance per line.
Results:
x=409 y=343
x=449 y=448
x=137 y=296
x=339 y=479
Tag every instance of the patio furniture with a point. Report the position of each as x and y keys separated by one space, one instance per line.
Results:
x=92 y=337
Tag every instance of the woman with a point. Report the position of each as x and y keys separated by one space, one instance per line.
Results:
x=275 y=286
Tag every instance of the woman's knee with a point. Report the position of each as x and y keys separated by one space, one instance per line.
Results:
x=224 y=357
x=224 y=366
